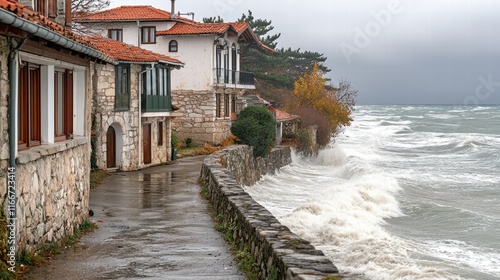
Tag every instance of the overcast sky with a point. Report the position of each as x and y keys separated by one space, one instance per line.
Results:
x=392 y=51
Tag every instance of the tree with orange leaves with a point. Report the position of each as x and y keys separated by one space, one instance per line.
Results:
x=327 y=107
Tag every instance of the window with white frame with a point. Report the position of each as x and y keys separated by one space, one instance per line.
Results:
x=63 y=104
x=116 y=34
x=156 y=82
x=51 y=107
x=148 y=35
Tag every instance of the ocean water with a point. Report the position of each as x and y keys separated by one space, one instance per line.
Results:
x=406 y=192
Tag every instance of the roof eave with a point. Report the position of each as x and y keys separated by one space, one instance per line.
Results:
x=30 y=27
x=176 y=64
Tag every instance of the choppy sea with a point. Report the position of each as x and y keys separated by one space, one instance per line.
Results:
x=405 y=192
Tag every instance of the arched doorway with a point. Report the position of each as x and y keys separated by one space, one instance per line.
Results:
x=111 y=147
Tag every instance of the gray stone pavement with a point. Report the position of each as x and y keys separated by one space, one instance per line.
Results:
x=153 y=224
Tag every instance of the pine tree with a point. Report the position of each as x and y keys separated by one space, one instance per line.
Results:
x=281 y=68
x=261 y=28
x=217 y=19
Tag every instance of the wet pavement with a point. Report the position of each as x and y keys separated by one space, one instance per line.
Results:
x=153 y=224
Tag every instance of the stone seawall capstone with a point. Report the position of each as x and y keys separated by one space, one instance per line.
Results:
x=277 y=252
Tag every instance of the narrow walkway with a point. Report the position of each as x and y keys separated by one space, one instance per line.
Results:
x=153 y=224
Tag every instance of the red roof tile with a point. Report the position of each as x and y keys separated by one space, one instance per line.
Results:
x=122 y=52
x=124 y=13
x=240 y=26
x=191 y=28
x=182 y=26
x=282 y=115
x=25 y=13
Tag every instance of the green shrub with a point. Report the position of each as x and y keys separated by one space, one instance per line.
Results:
x=176 y=142
x=256 y=127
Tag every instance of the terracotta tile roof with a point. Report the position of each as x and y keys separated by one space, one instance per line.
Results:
x=282 y=115
x=123 y=52
x=183 y=26
x=240 y=26
x=25 y=13
x=194 y=28
x=124 y=13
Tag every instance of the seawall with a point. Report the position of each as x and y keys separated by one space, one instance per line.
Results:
x=277 y=252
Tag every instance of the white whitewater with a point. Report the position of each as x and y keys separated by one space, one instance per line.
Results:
x=404 y=193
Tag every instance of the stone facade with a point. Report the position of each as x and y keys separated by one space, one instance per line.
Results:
x=125 y=123
x=199 y=120
x=4 y=117
x=278 y=253
x=52 y=180
x=53 y=192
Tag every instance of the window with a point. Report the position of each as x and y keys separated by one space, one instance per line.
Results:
x=40 y=6
x=173 y=46
x=162 y=81
x=233 y=103
x=226 y=67
x=217 y=105
x=116 y=34
x=148 y=35
x=218 y=65
x=157 y=83
x=122 y=91
x=46 y=8
x=155 y=94
x=160 y=133
x=226 y=105
x=234 y=61
x=29 y=106
x=63 y=104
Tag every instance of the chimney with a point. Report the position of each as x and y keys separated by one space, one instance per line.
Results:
x=172 y=9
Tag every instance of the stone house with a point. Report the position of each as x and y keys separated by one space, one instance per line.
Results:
x=132 y=109
x=207 y=87
x=46 y=79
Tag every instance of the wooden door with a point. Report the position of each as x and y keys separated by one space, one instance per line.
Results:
x=146 y=143
x=111 y=147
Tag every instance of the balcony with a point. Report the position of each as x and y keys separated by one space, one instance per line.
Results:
x=234 y=78
x=156 y=103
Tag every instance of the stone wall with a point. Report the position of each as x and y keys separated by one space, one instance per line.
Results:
x=199 y=121
x=53 y=192
x=4 y=121
x=278 y=253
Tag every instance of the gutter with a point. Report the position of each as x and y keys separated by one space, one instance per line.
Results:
x=12 y=68
x=49 y=35
x=175 y=64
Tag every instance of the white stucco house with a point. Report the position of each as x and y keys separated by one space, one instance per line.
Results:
x=206 y=88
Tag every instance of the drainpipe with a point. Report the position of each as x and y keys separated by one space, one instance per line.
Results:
x=139 y=31
x=12 y=67
x=141 y=162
